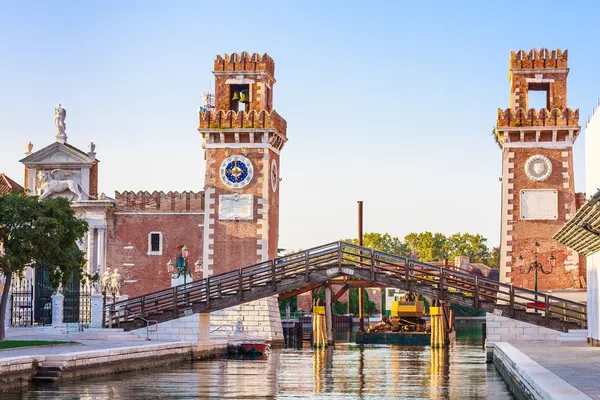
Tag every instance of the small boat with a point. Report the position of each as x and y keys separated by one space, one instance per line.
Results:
x=254 y=348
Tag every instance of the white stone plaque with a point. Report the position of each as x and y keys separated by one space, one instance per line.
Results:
x=539 y=204
x=236 y=207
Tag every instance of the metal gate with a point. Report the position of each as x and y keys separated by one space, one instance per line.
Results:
x=72 y=301
x=43 y=296
x=21 y=303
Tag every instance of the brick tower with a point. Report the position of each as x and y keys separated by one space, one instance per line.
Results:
x=242 y=137
x=538 y=193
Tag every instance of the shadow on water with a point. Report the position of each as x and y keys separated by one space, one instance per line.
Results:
x=348 y=371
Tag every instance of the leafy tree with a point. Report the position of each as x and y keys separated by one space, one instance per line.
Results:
x=429 y=246
x=383 y=242
x=466 y=244
x=369 y=306
x=437 y=247
x=45 y=232
x=493 y=259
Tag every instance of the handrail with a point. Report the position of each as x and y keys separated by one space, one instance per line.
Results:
x=135 y=315
x=414 y=275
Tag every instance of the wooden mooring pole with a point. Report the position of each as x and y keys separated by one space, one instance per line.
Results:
x=361 y=302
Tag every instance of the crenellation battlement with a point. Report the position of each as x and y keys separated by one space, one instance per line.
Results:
x=539 y=59
x=532 y=117
x=242 y=119
x=159 y=201
x=244 y=62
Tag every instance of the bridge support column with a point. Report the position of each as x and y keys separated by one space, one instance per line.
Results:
x=204 y=327
x=329 y=315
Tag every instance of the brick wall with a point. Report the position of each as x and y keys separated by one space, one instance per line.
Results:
x=128 y=230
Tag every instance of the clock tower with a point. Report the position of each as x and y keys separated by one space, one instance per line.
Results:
x=538 y=193
x=243 y=137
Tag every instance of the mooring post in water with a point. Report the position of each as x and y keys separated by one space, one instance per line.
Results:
x=361 y=305
x=329 y=315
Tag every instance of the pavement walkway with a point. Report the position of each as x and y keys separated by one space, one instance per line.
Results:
x=576 y=363
x=83 y=345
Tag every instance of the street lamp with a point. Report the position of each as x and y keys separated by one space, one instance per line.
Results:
x=181 y=268
x=535 y=266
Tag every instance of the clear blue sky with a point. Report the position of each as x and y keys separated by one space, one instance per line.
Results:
x=392 y=102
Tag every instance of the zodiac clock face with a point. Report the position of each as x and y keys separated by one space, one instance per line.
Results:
x=538 y=168
x=236 y=171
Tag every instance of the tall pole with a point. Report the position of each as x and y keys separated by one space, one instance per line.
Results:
x=361 y=305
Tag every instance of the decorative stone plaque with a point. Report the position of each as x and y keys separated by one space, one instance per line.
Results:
x=236 y=207
x=538 y=168
x=539 y=204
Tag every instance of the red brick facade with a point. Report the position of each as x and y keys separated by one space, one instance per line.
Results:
x=179 y=219
x=220 y=243
x=252 y=130
x=549 y=134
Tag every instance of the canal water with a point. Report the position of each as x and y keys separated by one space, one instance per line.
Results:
x=348 y=371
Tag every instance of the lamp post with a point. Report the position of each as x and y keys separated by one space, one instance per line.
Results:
x=535 y=266
x=181 y=268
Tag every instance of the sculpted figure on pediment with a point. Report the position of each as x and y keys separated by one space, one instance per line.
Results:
x=56 y=182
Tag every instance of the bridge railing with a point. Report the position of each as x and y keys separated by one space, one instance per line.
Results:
x=441 y=281
x=234 y=282
x=481 y=289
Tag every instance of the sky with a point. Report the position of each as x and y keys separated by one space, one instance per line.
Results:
x=392 y=103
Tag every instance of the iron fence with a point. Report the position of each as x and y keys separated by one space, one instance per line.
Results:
x=21 y=303
x=78 y=306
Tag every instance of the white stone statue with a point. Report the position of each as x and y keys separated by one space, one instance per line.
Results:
x=105 y=280
x=115 y=282
x=60 y=114
x=56 y=181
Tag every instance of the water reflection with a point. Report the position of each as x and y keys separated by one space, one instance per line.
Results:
x=346 y=371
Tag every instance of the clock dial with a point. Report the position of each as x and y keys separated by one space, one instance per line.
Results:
x=538 y=168
x=236 y=171
x=274 y=175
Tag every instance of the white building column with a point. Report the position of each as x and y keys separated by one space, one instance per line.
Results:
x=57 y=310
x=91 y=251
x=101 y=254
x=96 y=311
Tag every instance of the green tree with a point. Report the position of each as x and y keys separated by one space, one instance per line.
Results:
x=31 y=231
x=466 y=244
x=493 y=259
x=369 y=306
x=429 y=246
x=383 y=242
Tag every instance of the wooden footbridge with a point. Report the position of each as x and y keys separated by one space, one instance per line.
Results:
x=346 y=263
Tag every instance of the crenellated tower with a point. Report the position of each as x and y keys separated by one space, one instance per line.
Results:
x=242 y=138
x=538 y=193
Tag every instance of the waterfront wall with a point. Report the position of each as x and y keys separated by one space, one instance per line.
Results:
x=20 y=371
x=527 y=379
x=260 y=318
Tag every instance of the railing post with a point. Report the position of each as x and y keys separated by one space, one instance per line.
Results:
x=407 y=273
x=240 y=284
x=175 y=313
x=372 y=265
x=143 y=306
x=511 y=304
x=274 y=273
x=339 y=256
x=207 y=293
x=306 y=267
x=441 y=295
x=476 y=292
x=546 y=309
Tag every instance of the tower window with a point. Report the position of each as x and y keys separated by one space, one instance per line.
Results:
x=155 y=243
x=239 y=97
x=538 y=96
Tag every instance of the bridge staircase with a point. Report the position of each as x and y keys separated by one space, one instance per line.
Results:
x=308 y=269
